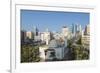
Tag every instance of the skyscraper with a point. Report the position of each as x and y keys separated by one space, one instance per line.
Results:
x=46 y=36
x=76 y=29
x=73 y=29
x=86 y=37
x=65 y=31
x=36 y=31
x=87 y=30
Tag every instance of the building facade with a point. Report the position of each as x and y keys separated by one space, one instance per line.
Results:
x=87 y=30
x=29 y=35
x=45 y=36
x=54 y=51
x=23 y=35
x=86 y=36
x=65 y=31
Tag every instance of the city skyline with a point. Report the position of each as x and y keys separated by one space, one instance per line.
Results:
x=47 y=36
x=51 y=19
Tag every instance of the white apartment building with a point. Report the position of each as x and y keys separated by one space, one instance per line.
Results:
x=45 y=36
x=86 y=36
x=29 y=35
x=85 y=39
x=53 y=50
x=65 y=31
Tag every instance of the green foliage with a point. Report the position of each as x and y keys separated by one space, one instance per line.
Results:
x=29 y=53
x=79 y=51
x=69 y=43
x=79 y=41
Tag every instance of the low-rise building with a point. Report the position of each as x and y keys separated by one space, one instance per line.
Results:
x=54 y=51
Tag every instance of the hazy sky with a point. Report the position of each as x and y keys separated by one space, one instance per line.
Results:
x=51 y=19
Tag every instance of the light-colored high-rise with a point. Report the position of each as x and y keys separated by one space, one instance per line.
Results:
x=86 y=36
x=29 y=35
x=46 y=36
x=87 y=30
x=65 y=31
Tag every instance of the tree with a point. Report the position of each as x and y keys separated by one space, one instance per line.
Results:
x=29 y=53
x=78 y=51
x=79 y=41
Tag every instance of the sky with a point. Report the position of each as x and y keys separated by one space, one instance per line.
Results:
x=52 y=20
